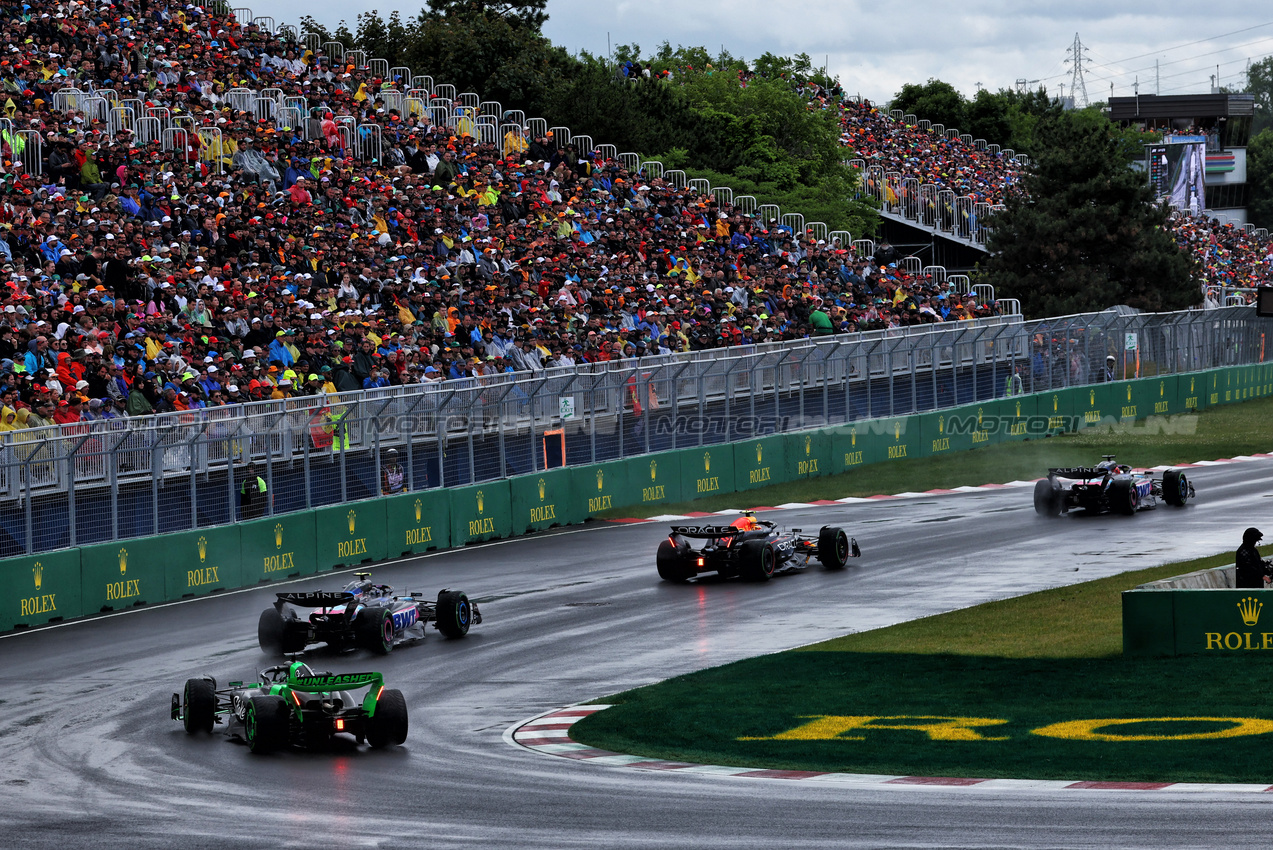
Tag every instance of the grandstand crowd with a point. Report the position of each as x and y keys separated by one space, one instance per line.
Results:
x=270 y=261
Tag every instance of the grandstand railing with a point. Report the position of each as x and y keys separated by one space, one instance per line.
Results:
x=120 y=478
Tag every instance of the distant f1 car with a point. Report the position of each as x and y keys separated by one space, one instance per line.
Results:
x=751 y=548
x=1108 y=487
x=293 y=706
x=364 y=615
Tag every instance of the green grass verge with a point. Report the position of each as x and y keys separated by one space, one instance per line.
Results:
x=1031 y=661
x=1237 y=429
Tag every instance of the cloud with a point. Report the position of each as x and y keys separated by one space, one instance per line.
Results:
x=875 y=48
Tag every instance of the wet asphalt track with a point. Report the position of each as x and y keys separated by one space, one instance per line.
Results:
x=88 y=755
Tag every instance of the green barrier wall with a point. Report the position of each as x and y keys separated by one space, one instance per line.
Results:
x=808 y=455
x=657 y=479
x=481 y=512
x=600 y=487
x=70 y=583
x=200 y=562
x=43 y=588
x=707 y=470
x=417 y=522
x=115 y=576
x=351 y=534
x=542 y=501
x=278 y=547
x=1197 y=622
x=760 y=462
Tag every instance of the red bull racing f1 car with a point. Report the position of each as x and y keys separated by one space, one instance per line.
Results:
x=750 y=548
x=363 y=615
x=1108 y=487
x=293 y=706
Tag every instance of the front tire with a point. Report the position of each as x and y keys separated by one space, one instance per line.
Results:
x=756 y=561
x=1047 y=498
x=673 y=565
x=201 y=706
x=265 y=724
x=375 y=630
x=833 y=548
x=1175 y=488
x=454 y=614
x=389 y=724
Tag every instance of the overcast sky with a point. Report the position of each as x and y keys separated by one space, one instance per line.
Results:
x=876 y=47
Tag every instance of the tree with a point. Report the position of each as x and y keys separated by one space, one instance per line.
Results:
x=1259 y=82
x=1084 y=234
x=528 y=14
x=934 y=100
x=1259 y=174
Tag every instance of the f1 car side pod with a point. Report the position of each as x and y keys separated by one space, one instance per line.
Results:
x=752 y=553
x=1108 y=488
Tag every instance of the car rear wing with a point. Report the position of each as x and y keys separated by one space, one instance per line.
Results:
x=335 y=682
x=705 y=530
x=1077 y=472
x=317 y=599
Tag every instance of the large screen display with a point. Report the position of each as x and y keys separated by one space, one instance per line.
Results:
x=1177 y=171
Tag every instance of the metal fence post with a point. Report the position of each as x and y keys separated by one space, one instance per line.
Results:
x=229 y=479
x=28 y=517
x=70 y=497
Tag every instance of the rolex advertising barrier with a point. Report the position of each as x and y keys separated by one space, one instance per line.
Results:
x=68 y=583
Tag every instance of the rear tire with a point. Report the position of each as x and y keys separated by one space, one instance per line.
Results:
x=269 y=631
x=279 y=635
x=1175 y=488
x=756 y=561
x=389 y=724
x=454 y=614
x=201 y=706
x=673 y=565
x=1047 y=498
x=374 y=628
x=265 y=724
x=1122 y=497
x=833 y=548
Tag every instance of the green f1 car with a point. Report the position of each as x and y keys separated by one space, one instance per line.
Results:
x=293 y=706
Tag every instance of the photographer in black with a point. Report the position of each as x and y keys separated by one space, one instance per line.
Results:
x=1252 y=570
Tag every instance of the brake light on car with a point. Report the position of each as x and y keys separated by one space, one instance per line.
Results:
x=379 y=692
x=700 y=562
x=340 y=725
x=296 y=697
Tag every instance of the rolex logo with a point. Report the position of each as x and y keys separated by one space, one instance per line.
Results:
x=480 y=499
x=38 y=572
x=600 y=479
x=897 y=430
x=760 y=453
x=941 y=424
x=353 y=517
x=654 y=466
x=123 y=561
x=418 y=507
x=278 y=536
x=1191 y=385
x=979 y=417
x=1054 y=404
x=808 y=445
x=707 y=461
x=1091 y=397
x=1018 y=408
x=541 y=489
x=202 y=542
x=1249 y=608
x=853 y=436
x=1162 y=386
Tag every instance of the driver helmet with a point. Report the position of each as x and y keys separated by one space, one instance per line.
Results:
x=746 y=522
